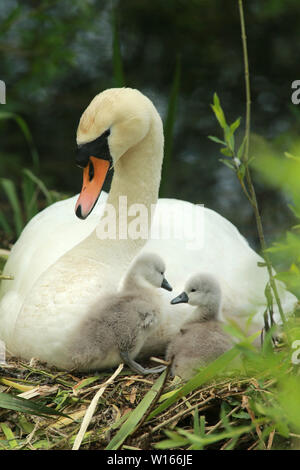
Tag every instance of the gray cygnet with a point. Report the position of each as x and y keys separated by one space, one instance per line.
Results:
x=117 y=326
x=202 y=339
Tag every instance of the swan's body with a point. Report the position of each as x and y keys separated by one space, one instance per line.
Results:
x=115 y=329
x=60 y=266
x=202 y=339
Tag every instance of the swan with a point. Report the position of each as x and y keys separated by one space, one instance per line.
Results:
x=201 y=340
x=60 y=265
x=116 y=329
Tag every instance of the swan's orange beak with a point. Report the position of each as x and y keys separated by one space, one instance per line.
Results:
x=94 y=175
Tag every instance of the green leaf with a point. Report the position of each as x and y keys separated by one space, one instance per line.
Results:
x=241 y=415
x=11 y=193
x=216 y=107
x=11 y=402
x=198 y=442
x=227 y=163
x=241 y=171
x=227 y=152
x=235 y=125
x=9 y=435
x=229 y=138
x=136 y=415
x=268 y=294
x=30 y=193
x=293 y=157
x=83 y=383
x=175 y=440
x=240 y=152
x=216 y=100
x=196 y=421
x=215 y=139
x=25 y=425
x=39 y=183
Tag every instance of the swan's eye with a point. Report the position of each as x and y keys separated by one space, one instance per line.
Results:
x=162 y=273
x=193 y=290
x=91 y=171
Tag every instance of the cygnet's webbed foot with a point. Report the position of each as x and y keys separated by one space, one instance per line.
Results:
x=136 y=367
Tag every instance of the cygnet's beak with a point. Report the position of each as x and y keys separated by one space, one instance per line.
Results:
x=181 y=298
x=166 y=285
x=94 y=175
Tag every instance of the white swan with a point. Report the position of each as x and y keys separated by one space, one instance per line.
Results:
x=61 y=266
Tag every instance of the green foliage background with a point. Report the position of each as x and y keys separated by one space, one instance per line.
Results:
x=56 y=55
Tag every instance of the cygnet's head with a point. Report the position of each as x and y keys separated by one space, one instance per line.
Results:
x=201 y=290
x=149 y=268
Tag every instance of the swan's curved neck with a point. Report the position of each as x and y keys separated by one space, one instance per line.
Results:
x=136 y=181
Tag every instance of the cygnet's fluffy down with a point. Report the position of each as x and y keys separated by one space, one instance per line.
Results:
x=118 y=325
x=202 y=340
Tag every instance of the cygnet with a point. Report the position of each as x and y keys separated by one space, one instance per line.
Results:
x=202 y=339
x=117 y=326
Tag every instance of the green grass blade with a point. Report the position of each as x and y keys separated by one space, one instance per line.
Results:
x=26 y=133
x=119 y=78
x=169 y=125
x=9 y=188
x=39 y=183
x=26 y=406
x=196 y=422
x=30 y=193
x=3 y=260
x=9 y=435
x=175 y=440
x=206 y=440
x=136 y=415
x=199 y=379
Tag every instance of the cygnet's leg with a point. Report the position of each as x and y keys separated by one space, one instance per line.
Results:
x=136 y=367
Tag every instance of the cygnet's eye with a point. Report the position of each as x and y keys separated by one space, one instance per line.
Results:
x=193 y=290
x=162 y=273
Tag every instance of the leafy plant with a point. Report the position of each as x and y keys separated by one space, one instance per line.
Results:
x=25 y=406
x=23 y=202
x=26 y=133
x=269 y=405
x=25 y=206
x=282 y=171
x=136 y=415
x=239 y=159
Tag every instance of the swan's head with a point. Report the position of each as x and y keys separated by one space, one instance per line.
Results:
x=201 y=290
x=115 y=121
x=149 y=268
